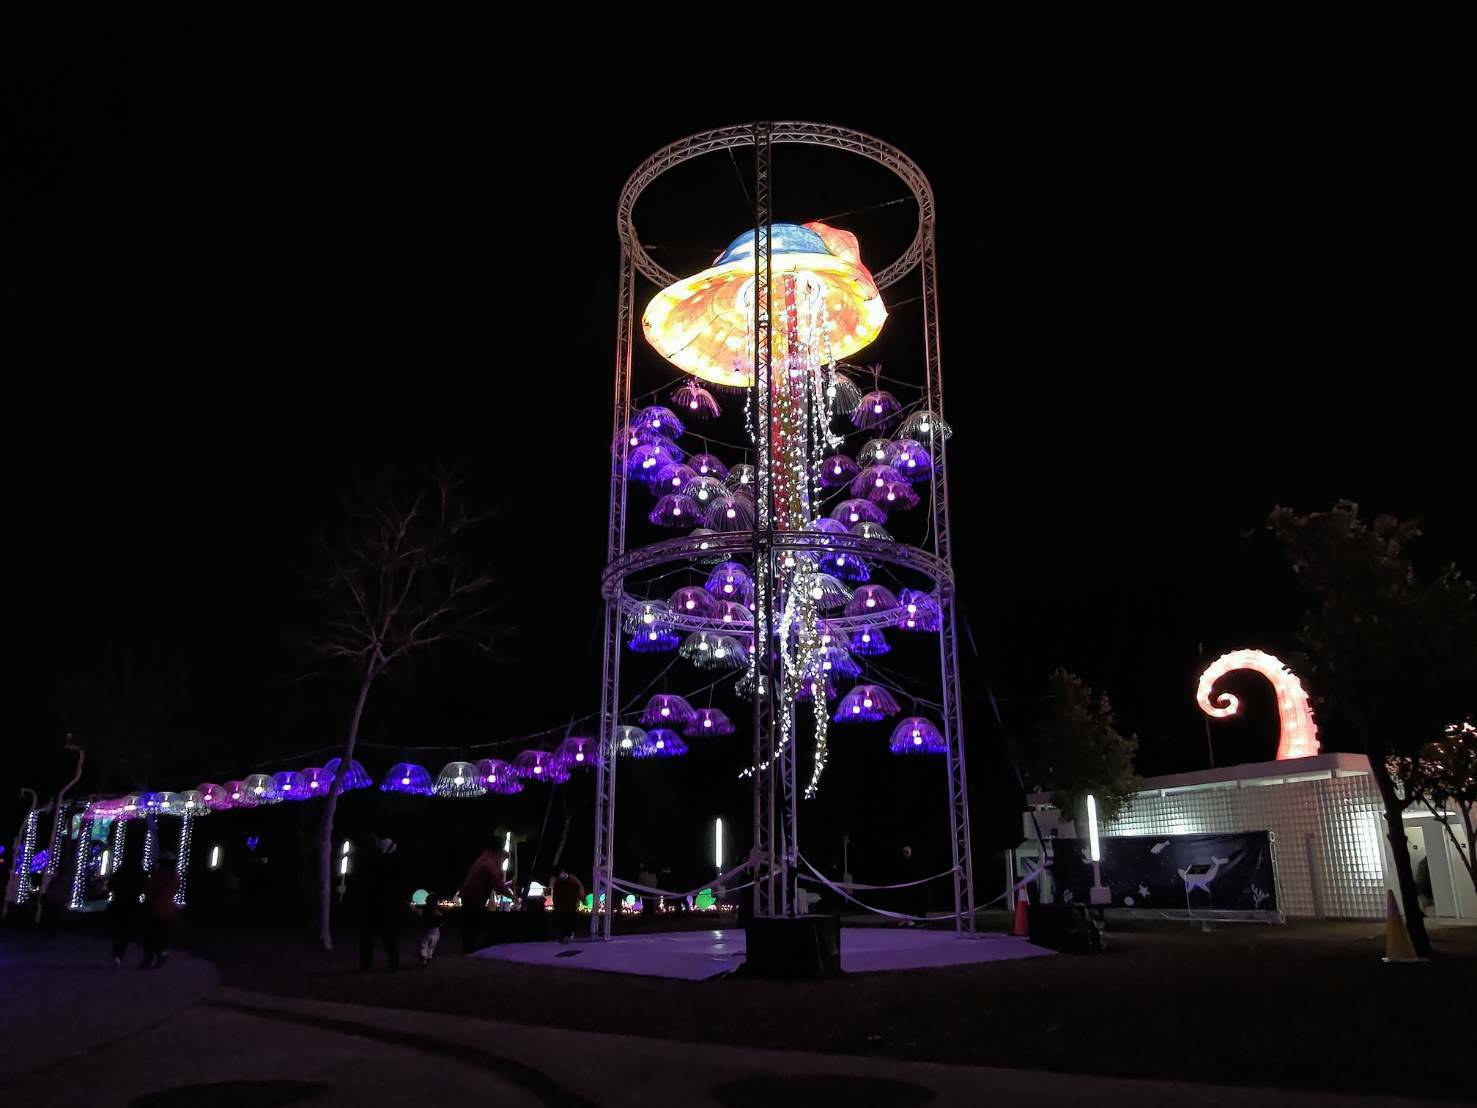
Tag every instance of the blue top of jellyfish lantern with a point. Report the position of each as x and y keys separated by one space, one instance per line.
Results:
x=784 y=238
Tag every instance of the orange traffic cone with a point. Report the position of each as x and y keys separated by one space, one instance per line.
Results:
x=1022 y=927
x=1397 y=938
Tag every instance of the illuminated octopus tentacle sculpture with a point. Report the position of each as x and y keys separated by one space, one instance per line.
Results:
x=1299 y=734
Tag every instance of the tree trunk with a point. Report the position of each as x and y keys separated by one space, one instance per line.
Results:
x=1415 y=919
x=330 y=806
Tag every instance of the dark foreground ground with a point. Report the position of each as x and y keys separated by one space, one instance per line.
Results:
x=1305 y=1006
x=1308 y=1005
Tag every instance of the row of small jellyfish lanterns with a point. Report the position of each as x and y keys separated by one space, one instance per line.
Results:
x=703 y=491
x=658 y=737
x=456 y=779
x=727 y=599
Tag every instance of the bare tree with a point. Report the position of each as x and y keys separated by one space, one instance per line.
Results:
x=399 y=578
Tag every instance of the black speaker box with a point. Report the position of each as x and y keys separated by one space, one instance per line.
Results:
x=1065 y=927
x=807 y=948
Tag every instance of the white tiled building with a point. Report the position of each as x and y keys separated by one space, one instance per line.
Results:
x=1327 y=823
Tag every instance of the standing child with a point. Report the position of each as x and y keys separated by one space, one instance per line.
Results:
x=432 y=916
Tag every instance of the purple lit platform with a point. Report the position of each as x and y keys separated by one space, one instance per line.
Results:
x=699 y=955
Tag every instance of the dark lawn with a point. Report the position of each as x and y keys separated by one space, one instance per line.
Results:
x=1306 y=1005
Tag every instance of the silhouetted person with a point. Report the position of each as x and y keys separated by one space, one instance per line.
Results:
x=379 y=877
x=484 y=878
x=159 y=909
x=126 y=887
x=568 y=892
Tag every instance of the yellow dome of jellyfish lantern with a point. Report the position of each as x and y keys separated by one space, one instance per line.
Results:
x=704 y=324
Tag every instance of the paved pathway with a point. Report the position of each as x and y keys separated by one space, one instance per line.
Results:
x=256 y=1049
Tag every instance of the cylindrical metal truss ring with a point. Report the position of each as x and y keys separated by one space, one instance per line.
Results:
x=700 y=547
x=807 y=134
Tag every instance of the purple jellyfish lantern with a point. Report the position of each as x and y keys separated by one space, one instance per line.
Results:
x=836 y=661
x=695 y=400
x=577 y=752
x=896 y=494
x=731 y=581
x=644 y=462
x=735 y=614
x=911 y=458
x=846 y=566
x=837 y=470
x=291 y=785
x=192 y=803
x=916 y=735
x=357 y=777
x=843 y=394
x=320 y=781
x=866 y=704
x=869 y=642
x=871 y=600
x=707 y=465
x=499 y=777
x=458 y=781
x=216 y=798
x=150 y=803
x=918 y=611
x=103 y=810
x=706 y=491
x=874 y=453
x=708 y=721
x=406 y=777
x=665 y=710
x=710 y=650
x=661 y=742
x=827 y=525
x=694 y=602
x=811 y=686
x=539 y=765
x=672 y=477
x=660 y=421
x=740 y=477
x=876 y=408
x=870 y=482
x=629 y=740
x=871 y=531
x=851 y=512
x=703 y=540
x=926 y=427
x=655 y=638
x=262 y=788
x=827 y=591
x=734 y=512
x=647 y=613
x=239 y=795
x=675 y=510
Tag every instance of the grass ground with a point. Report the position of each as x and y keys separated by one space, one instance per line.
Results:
x=1308 y=1005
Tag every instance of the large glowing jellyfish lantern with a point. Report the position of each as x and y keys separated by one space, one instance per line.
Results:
x=823 y=299
x=1298 y=733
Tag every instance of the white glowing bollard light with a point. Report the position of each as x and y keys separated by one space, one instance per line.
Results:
x=1100 y=894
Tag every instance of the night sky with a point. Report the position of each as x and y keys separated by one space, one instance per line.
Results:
x=1187 y=272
